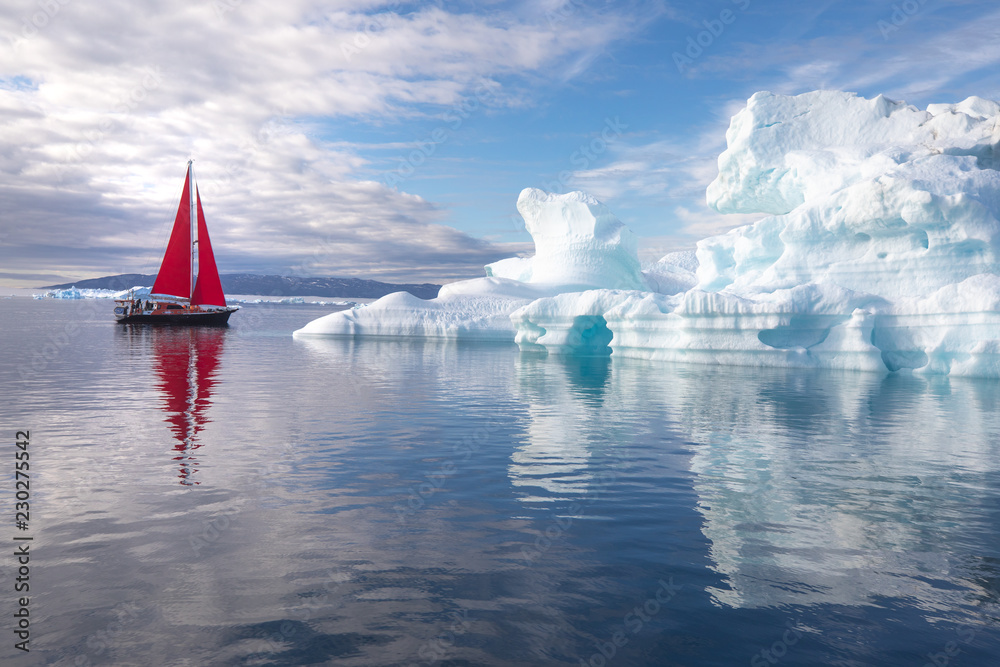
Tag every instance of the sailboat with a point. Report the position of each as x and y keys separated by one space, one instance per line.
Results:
x=178 y=296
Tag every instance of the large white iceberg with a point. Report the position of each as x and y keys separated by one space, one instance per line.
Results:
x=879 y=250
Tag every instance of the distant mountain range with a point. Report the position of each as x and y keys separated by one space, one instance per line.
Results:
x=248 y=283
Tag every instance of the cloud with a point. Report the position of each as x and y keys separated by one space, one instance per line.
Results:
x=102 y=103
x=932 y=57
x=879 y=49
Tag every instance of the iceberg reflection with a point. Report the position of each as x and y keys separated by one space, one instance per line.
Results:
x=835 y=488
x=814 y=487
x=563 y=396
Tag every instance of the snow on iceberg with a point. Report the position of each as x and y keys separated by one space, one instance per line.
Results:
x=579 y=244
x=879 y=250
x=871 y=195
x=470 y=309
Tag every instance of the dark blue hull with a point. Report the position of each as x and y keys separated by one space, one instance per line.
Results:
x=211 y=319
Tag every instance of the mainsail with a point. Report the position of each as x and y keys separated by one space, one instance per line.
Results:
x=174 y=277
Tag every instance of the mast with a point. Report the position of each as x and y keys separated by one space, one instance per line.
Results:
x=193 y=217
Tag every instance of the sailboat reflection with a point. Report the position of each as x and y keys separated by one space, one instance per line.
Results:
x=187 y=362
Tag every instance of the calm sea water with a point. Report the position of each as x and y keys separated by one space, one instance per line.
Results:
x=239 y=497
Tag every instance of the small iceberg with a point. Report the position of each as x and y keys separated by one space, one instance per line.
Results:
x=137 y=292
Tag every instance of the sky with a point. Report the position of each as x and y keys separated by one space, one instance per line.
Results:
x=389 y=140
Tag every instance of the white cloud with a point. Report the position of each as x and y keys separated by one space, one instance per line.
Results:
x=937 y=49
x=101 y=107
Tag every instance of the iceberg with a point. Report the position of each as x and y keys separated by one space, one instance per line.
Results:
x=878 y=249
x=74 y=293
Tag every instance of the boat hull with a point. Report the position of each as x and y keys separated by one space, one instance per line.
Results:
x=216 y=318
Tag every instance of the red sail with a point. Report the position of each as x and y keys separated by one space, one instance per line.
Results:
x=174 y=277
x=208 y=288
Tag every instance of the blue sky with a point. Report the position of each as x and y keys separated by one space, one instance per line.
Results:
x=390 y=139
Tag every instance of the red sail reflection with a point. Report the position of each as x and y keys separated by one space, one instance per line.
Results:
x=186 y=361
